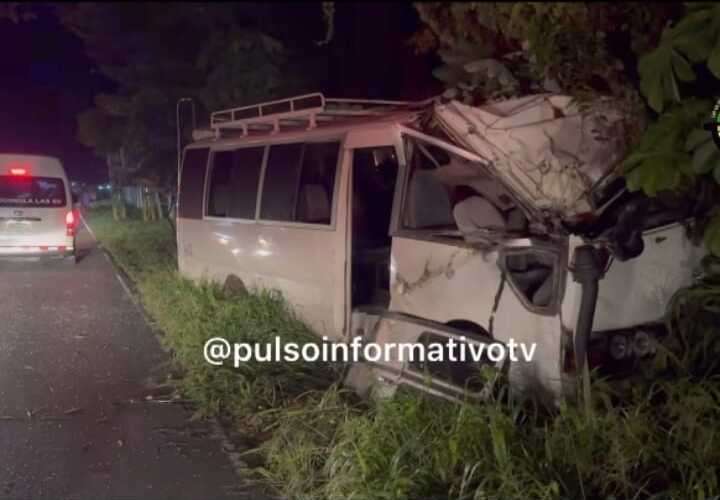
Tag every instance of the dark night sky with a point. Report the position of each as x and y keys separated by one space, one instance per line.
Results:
x=46 y=80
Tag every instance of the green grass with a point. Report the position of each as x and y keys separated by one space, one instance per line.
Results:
x=653 y=437
x=138 y=247
x=189 y=314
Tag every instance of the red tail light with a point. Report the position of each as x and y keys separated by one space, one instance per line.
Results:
x=18 y=168
x=71 y=220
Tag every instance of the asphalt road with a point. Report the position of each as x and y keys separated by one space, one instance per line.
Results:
x=81 y=415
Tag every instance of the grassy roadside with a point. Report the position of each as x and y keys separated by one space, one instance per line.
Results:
x=189 y=314
x=659 y=440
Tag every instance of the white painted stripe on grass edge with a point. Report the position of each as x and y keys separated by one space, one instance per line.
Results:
x=125 y=287
x=87 y=226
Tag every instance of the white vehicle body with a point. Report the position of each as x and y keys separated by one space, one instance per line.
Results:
x=440 y=282
x=36 y=208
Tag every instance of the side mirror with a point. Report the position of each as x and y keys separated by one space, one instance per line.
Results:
x=535 y=273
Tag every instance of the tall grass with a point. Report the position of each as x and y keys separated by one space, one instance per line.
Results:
x=138 y=247
x=189 y=314
x=653 y=437
x=661 y=444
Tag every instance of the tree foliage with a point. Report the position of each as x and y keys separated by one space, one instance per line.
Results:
x=15 y=12
x=654 y=60
x=574 y=47
x=219 y=55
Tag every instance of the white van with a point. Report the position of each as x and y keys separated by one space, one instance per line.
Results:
x=37 y=218
x=422 y=222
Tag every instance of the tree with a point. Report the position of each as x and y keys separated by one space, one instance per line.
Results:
x=16 y=12
x=221 y=55
x=654 y=60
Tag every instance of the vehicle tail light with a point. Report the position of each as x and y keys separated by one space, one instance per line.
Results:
x=71 y=221
x=18 y=168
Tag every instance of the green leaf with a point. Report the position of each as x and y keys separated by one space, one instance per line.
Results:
x=712 y=236
x=686 y=167
x=655 y=95
x=660 y=174
x=634 y=180
x=655 y=68
x=682 y=68
x=703 y=158
x=636 y=158
x=714 y=60
x=694 y=35
x=671 y=88
x=698 y=6
x=696 y=138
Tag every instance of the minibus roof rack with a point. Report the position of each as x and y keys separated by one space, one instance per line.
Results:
x=307 y=110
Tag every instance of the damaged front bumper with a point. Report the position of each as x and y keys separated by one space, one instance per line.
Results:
x=458 y=380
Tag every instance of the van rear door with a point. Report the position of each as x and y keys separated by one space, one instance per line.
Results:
x=33 y=210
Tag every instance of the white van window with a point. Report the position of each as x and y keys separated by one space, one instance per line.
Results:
x=26 y=191
x=452 y=197
x=317 y=183
x=428 y=202
x=282 y=176
x=192 y=183
x=234 y=179
x=299 y=182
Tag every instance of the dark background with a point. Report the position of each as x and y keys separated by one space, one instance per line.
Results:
x=46 y=78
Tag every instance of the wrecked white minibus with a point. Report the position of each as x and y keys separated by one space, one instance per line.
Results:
x=423 y=222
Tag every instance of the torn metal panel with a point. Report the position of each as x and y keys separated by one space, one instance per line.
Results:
x=423 y=271
x=446 y=283
x=542 y=146
x=383 y=376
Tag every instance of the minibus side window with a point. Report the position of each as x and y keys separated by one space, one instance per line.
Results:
x=317 y=183
x=233 y=185
x=282 y=176
x=299 y=182
x=192 y=183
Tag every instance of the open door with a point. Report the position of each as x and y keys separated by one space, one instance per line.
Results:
x=438 y=359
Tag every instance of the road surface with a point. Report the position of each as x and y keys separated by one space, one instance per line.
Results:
x=79 y=410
